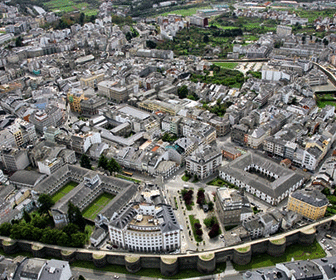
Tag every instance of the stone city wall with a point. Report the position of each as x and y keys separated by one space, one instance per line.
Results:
x=204 y=262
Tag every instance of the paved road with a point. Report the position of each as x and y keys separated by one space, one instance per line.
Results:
x=91 y=274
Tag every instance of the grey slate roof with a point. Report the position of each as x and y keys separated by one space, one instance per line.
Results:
x=312 y=197
x=26 y=177
x=287 y=178
x=304 y=270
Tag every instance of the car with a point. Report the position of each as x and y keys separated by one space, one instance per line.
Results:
x=328 y=236
x=222 y=236
x=116 y=277
x=109 y=247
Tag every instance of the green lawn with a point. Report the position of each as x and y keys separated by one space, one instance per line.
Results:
x=193 y=220
x=297 y=251
x=186 y=12
x=221 y=183
x=97 y=205
x=63 y=191
x=70 y=6
x=148 y=272
x=228 y=65
x=127 y=178
x=186 y=178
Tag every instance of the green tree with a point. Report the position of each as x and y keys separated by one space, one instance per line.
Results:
x=78 y=239
x=128 y=36
x=26 y=216
x=150 y=44
x=75 y=216
x=81 y=18
x=5 y=229
x=113 y=166
x=63 y=239
x=45 y=201
x=16 y=232
x=211 y=205
x=206 y=38
x=18 y=42
x=103 y=162
x=85 y=162
x=182 y=92
x=40 y=222
x=70 y=229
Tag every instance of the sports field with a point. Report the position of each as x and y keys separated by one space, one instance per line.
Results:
x=63 y=191
x=97 y=205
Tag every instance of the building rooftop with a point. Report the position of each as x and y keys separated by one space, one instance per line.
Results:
x=312 y=197
x=284 y=179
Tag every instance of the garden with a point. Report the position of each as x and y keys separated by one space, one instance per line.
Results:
x=97 y=205
x=296 y=252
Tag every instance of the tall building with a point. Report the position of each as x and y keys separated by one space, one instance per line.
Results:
x=113 y=90
x=51 y=116
x=311 y=204
x=204 y=162
x=232 y=206
x=14 y=159
x=283 y=30
x=90 y=106
x=91 y=81
x=145 y=227
x=75 y=96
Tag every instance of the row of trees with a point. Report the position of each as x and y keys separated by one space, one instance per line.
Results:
x=40 y=226
x=110 y=165
x=188 y=197
x=169 y=137
x=202 y=201
x=213 y=225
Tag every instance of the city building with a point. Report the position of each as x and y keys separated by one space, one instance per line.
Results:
x=232 y=206
x=145 y=228
x=89 y=107
x=91 y=80
x=90 y=186
x=261 y=177
x=75 y=96
x=203 y=162
x=311 y=204
x=82 y=142
x=41 y=269
x=113 y=90
x=283 y=30
x=14 y=159
x=51 y=116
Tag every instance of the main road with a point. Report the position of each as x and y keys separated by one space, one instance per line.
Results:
x=92 y=274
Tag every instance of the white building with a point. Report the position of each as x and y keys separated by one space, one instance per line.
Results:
x=145 y=228
x=203 y=162
x=283 y=30
x=261 y=177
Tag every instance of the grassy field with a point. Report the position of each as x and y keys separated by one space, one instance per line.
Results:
x=63 y=191
x=312 y=15
x=228 y=65
x=127 y=178
x=186 y=12
x=193 y=220
x=148 y=272
x=221 y=183
x=97 y=205
x=70 y=6
x=298 y=252
x=325 y=99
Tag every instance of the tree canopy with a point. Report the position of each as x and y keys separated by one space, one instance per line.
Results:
x=45 y=201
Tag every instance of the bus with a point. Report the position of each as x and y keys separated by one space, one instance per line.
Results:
x=130 y=174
